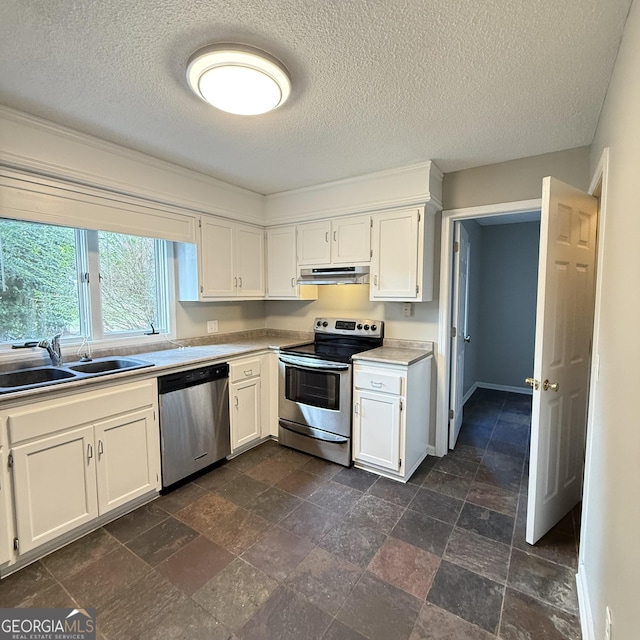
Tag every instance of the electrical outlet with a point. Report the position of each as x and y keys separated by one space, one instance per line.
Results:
x=607 y=624
x=407 y=309
x=212 y=326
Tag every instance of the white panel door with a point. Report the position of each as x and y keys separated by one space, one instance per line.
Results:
x=54 y=481
x=281 y=263
x=376 y=429
x=564 y=320
x=394 y=268
x=126 y=451
x=245 y=413
x=249 y=261
x=351 y=240
x=217 y=259
x=458 y=342
x=314 y=243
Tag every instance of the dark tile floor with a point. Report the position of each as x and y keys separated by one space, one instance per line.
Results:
x=276 y=545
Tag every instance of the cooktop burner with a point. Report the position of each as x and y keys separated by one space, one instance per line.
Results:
x=338 y=339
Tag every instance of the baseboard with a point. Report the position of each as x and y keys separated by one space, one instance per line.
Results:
x=586 y=619
x=527 y=391
x=431 y=450
x=469 y=393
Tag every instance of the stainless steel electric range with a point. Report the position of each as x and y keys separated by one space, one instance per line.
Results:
x=315 y=387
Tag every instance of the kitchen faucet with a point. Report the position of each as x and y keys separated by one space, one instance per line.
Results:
x=53 y=349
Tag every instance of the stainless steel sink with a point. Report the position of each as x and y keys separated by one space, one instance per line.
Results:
x=34 y=377
x=108 y=365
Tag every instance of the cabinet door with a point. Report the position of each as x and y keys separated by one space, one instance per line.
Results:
x=5 y=515
x=249 y=261
x=314 y=243
x=127 y=458
x=245 y=413
x=281 y=263
x=376 y=429
x=216 y=259
x=351 y=240
x=395 y=256
x=54 y=482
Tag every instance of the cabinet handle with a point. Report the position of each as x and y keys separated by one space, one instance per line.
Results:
x=375 y=281
x=89 y=452
x=293 y=283
x=235 y=281
x=377 y=385
x=248 y=372
x=240 y=281
x=326 y=236
x=356 y=408
x=235 y=401
x=335 y=239
x=100 y=448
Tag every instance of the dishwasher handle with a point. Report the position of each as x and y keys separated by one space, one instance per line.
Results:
x=192 y=377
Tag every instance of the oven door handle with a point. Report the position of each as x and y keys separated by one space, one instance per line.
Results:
x=312 y=432
x=311 y=363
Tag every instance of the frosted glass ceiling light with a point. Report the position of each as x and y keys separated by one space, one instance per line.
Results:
x=238 y=79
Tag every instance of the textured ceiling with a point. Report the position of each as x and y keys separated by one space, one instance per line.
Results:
x=376 y=83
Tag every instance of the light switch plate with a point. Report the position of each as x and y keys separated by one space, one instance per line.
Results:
x=212 y=326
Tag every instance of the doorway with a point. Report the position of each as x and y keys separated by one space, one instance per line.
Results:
x=565 y=305
x=495 y=275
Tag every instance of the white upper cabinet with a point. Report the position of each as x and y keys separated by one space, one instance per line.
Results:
x=351 y=240
x=249 y=261
x=227 y=262
x=344 y=241
x=403 y=255
x=282 y=267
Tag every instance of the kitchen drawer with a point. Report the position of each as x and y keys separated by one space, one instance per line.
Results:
x=384 y=382
x=244 y=370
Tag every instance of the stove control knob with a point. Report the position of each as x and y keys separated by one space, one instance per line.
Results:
x=318 y=324
x=325 y=324
x=374 y=327
x=366 y=327
x=360 y=327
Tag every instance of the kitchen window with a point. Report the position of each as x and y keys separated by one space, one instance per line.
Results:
x=81 y=284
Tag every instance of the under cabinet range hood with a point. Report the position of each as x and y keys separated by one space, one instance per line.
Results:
x=334 y=275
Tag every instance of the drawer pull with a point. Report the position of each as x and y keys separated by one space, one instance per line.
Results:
x=248 y=372
x=377 y=385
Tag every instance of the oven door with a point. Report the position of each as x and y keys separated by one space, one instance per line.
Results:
x=316 y=393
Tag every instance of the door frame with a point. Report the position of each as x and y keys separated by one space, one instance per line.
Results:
x=446 y=299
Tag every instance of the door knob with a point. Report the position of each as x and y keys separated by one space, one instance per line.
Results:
x=532 y=382
x=554 y=386
x=467 y=338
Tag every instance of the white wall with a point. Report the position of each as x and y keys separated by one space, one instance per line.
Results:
x=610 y=549
x=353 y=301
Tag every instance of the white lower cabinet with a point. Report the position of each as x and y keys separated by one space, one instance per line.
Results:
x=377 y=429
x=78 y=457
x=245 y=397
x=125 y=448
x=391 y=416
x=6 y=517
x=55 y=490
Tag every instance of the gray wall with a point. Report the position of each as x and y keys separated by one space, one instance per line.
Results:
x=609 y=565
x=507 y=305
x=514 y=180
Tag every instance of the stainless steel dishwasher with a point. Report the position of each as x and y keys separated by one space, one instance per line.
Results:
x=194 y=420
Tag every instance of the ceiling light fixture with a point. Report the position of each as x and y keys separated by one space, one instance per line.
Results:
x=238 y=79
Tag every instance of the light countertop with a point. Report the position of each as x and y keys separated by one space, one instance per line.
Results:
x=393 y=355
